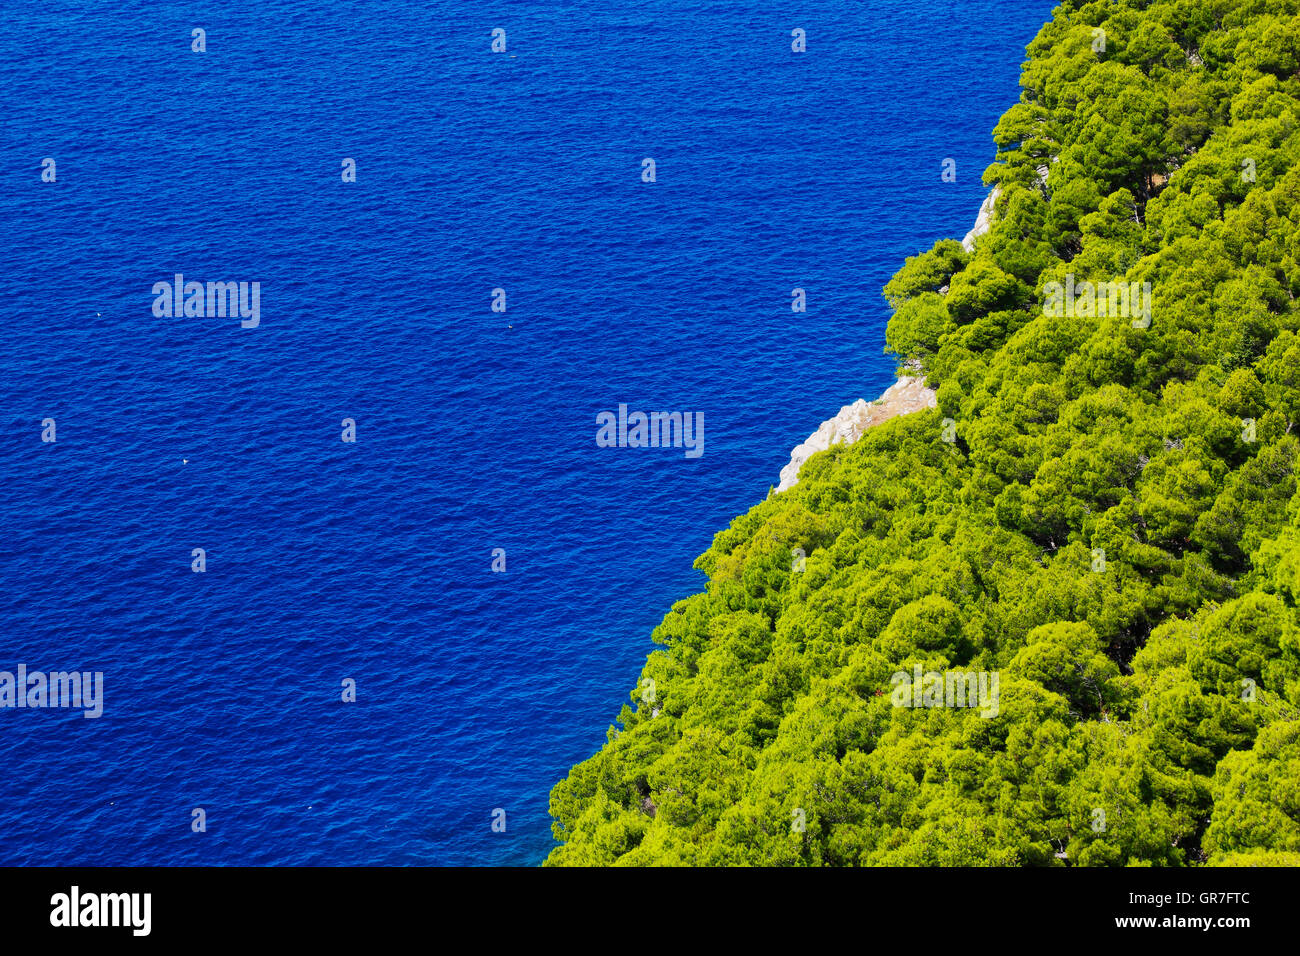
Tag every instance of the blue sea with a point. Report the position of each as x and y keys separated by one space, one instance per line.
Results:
x=371 y=561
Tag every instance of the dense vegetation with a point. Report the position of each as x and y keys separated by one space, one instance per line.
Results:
x=1149 y=701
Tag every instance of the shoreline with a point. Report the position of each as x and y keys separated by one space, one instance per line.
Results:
x=907 y=395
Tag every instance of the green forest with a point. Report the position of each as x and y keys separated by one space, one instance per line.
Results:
x=1102 y=512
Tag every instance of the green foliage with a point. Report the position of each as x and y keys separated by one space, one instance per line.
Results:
x=918 y=323
x=1115 y=533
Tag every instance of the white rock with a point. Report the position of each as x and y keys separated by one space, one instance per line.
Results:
x=983 y=222
x=908 y=394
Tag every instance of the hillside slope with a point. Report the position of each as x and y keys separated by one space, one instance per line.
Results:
x=1101 y=514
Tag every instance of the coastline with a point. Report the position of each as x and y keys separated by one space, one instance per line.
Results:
x=907 y=395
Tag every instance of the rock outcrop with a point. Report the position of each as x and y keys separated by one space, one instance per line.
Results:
x=908 y=394
x=983 y=222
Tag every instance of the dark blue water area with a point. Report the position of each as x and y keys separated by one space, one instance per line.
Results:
x=372 y=560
